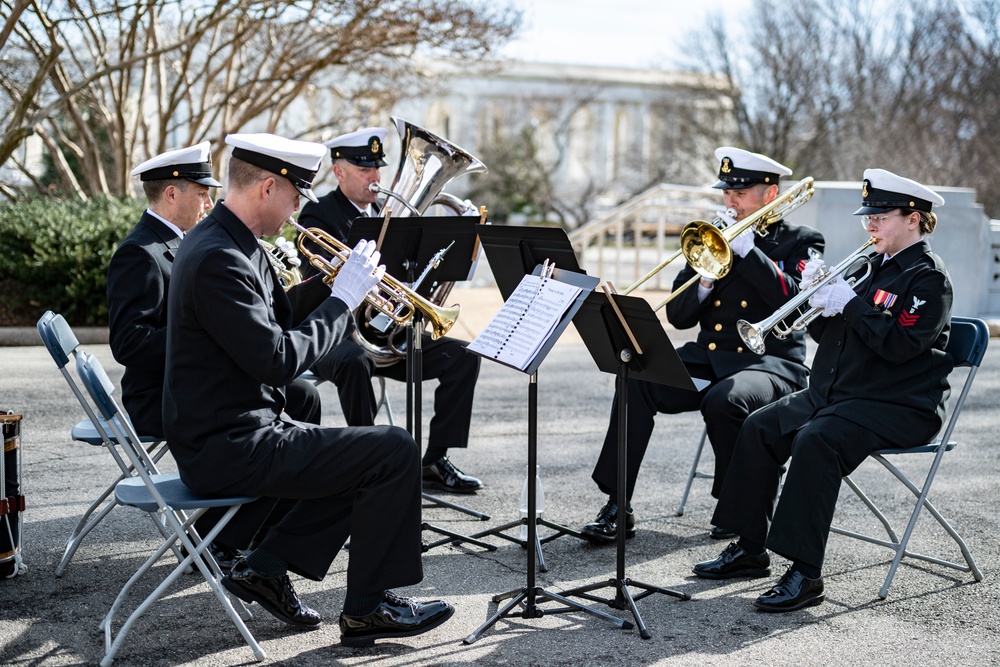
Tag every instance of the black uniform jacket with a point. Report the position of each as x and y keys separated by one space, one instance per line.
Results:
x=138 y=279
x=333 y=213
x=233 y=340
x=882 y=363
x=755 y=287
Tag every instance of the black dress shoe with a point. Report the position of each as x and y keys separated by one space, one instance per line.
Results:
x=604 y=529
x=722 y=534
x=225 y=556
x=734 y=562
x=275 y=594
x=443 y=475
x=396 y=616
x=793 y=591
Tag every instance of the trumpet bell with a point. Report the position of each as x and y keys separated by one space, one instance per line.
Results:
x=752 y=336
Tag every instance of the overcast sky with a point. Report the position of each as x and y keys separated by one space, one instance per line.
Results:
x=620 y=33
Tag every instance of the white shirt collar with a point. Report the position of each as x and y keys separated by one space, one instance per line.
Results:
x=175 y=228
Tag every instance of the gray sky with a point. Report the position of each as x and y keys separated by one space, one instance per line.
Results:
x=619 y=33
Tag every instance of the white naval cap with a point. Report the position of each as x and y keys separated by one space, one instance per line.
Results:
x=193 y=163
x=739 y=169
x=298 y=161
x=363 y=148
x=883 y=190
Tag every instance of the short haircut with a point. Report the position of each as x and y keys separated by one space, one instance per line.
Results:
x=154 y=189
x=242 y=174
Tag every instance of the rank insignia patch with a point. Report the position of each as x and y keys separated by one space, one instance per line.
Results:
x=907 y=319
x=802 y=265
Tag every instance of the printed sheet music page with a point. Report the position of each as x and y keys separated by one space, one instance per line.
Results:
x=517 y=332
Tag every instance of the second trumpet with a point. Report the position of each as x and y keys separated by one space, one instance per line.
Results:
x=390 y=297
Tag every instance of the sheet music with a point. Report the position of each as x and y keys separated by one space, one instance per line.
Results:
x=517 y=332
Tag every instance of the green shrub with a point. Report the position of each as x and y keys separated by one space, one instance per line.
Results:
x=55 y=257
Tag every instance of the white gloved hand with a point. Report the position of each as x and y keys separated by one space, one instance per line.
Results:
x=726 y=217
x=358 y=275
x=743 y=243
x=470 y=208
x=812 y=269
x=832 y=297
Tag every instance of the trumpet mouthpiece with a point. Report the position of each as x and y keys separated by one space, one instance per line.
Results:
x=373 y=187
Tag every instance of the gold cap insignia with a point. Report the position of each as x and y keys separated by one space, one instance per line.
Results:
x=727 y=165
x=375 y=146
x=864 y=190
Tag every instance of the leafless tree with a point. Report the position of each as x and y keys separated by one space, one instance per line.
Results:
x=833 y=87
x=104 y=85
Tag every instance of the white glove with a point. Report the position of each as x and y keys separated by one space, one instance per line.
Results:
x=705 y=286
x=743 y=243
x=812 y=269
x=726 y=217
x=358 y=275
x=832 y=297
x=470 y=208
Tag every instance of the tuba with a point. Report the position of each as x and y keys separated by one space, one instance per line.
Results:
x=427 y=163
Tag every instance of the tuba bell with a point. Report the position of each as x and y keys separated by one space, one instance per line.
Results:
x=427 y=163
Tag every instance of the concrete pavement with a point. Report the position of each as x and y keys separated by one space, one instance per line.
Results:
x=932 y=616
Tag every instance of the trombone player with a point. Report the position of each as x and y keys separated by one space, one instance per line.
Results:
x=765 y=273
x=880 y=380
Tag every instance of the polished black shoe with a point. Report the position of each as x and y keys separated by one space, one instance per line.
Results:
x=793 y=591
x=604 y=528
x=225 y=556
x=396 y=616
x=734 y=562
x=722 y=534
x=443 y=475
x=275 y=594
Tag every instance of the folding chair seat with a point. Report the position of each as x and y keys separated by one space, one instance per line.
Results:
x=694 y=473
x=62 y=344
x=165 y=496
x=967 y=346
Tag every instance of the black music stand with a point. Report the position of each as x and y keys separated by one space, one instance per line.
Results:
x=514 y=251
x=408 y=246
x=528 y=595
x=648 y=355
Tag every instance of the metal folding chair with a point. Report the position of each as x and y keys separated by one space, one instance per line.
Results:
x=62 y=344
x=967 y=346
x=166 y=496
x=694 y=473
x=380 y=404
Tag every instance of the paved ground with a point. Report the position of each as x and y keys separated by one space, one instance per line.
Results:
x=932 y=616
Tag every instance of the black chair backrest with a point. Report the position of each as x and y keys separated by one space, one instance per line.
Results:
x=968 y=341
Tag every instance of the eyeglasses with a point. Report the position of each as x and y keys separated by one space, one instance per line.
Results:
x=867 y=220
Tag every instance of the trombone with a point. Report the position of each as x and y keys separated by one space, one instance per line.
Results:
x=754 y=334
x=392 y=298
x=706 y=246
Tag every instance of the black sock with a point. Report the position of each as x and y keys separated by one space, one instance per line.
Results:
x=361 y=604
x=267 y=564
x=807 y=571
x=433 y=454
x=752 y=548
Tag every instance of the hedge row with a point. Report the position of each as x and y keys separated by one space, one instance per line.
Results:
x=55 y=256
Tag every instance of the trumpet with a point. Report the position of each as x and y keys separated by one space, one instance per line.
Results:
x=284 y=259
x=391 y=298
x=706 y=246
x=754 y=334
